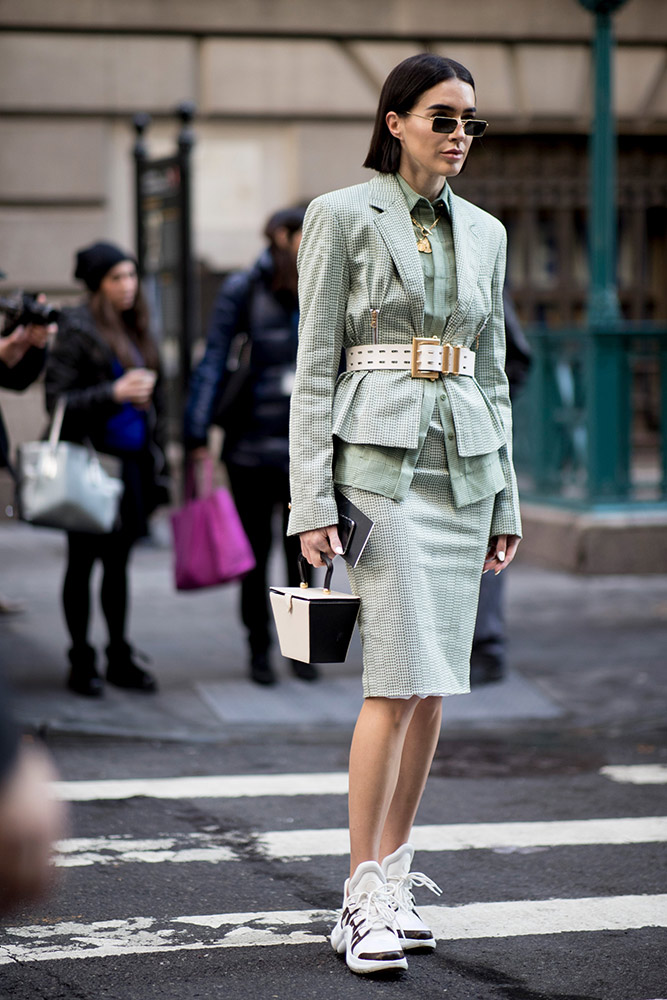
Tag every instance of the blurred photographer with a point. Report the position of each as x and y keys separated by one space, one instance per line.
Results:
x=22 y=357
x=30 y=820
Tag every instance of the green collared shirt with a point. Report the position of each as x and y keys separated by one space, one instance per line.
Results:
x=438 y=266
x=389 y=471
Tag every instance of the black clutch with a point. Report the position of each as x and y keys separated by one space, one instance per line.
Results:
x=354 y=528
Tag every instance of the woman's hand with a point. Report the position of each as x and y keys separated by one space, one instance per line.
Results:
x=38 y=335
x=135 y=386
x=320 y=540
x=14 y=346
x=501 y=551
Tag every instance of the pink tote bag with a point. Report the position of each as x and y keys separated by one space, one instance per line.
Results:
x=210 y=545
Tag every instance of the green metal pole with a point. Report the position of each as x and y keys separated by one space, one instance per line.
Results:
x=603 y=306
x=607 y=375
x=608 y=416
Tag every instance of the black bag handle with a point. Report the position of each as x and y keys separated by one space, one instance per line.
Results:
x=303 y=572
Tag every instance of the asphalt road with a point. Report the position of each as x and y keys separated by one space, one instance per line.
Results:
x=226 y=889
x=207 y=848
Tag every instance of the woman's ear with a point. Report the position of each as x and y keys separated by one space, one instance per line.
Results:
x=394 y=124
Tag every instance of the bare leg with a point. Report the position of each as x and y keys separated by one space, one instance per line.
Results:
x=419 y=746
x=375 y=765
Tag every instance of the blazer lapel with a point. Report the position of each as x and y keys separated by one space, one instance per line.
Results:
x=393 y=223
x=466 y=251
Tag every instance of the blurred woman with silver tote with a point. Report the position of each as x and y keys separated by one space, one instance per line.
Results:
x=407 y=279
x=104 y=363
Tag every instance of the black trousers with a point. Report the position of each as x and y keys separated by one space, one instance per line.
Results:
x=83 y=551
x=489 y=641
x=258 y=492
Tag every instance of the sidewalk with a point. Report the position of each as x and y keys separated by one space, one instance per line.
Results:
x=586 y=652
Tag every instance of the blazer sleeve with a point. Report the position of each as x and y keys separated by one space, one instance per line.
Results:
x=490 y=366
x=324 y=282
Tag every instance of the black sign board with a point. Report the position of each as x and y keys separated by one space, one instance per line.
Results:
x=165 y=260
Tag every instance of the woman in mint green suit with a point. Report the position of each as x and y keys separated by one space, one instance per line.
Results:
x=406 y=278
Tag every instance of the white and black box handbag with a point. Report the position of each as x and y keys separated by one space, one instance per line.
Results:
x=314 y=624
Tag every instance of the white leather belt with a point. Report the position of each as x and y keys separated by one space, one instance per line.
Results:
x=426 y=357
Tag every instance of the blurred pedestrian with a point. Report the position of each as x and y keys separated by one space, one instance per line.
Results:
x=31 y=820
x=255 y=314
x=489 y=644
x=419 y=445
x=105 y=363
x=22 y=357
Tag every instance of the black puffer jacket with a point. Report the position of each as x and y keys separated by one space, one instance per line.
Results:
x=258 y=433
x=80 y=367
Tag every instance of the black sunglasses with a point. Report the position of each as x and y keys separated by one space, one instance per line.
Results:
x=471 y=126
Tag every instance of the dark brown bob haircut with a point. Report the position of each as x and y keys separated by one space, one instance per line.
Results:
x=401 y=91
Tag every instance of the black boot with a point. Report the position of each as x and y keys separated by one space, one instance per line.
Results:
x=261 y=671
x=125 y=672
x=485 y=668
x=304 y=671
x=83 y=676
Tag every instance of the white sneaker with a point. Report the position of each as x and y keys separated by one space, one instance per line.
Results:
x=366 y=929
x=412 y=931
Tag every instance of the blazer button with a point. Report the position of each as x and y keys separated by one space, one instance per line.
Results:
x=450 y=436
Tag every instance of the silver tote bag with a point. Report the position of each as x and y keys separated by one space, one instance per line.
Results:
x=63 y=485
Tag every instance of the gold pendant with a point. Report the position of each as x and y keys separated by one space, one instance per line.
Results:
x=423 y=245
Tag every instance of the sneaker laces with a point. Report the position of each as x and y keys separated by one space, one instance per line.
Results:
x=378 y=906
x=401 y=886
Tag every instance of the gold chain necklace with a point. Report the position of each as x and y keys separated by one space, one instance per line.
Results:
x=423 y=243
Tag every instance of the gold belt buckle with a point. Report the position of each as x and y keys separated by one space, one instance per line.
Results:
x=418 y=342
x=451 y=359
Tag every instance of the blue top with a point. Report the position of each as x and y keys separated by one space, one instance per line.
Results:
x=126 y=430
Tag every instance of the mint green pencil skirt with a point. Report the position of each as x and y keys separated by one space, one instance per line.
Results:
x=418 y=580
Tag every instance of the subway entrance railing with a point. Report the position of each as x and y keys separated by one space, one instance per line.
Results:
x=590 y=427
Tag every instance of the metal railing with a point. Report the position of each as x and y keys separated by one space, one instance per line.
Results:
x=590 y=427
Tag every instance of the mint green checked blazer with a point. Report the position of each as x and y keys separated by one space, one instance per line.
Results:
x=359 y=253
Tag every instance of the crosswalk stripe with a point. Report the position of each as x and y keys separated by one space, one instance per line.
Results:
x=282 y=844
x=255 y=785
x=201 y=787
x=81 y=852
x=494 y=836
x=143 y=935
x=636 y=774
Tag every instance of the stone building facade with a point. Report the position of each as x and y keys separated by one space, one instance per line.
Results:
x=285 y=92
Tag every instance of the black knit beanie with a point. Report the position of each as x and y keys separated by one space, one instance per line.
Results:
x=94 y=262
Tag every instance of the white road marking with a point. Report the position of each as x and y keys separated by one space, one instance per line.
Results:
x=548 y=916
x=143 y=935
x=204 y=787
x=81 y=852
x=290 y=844
x=493 y=836
x=254 y=785
x=636 y=774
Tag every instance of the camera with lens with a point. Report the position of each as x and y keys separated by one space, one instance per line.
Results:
x=22 y=308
